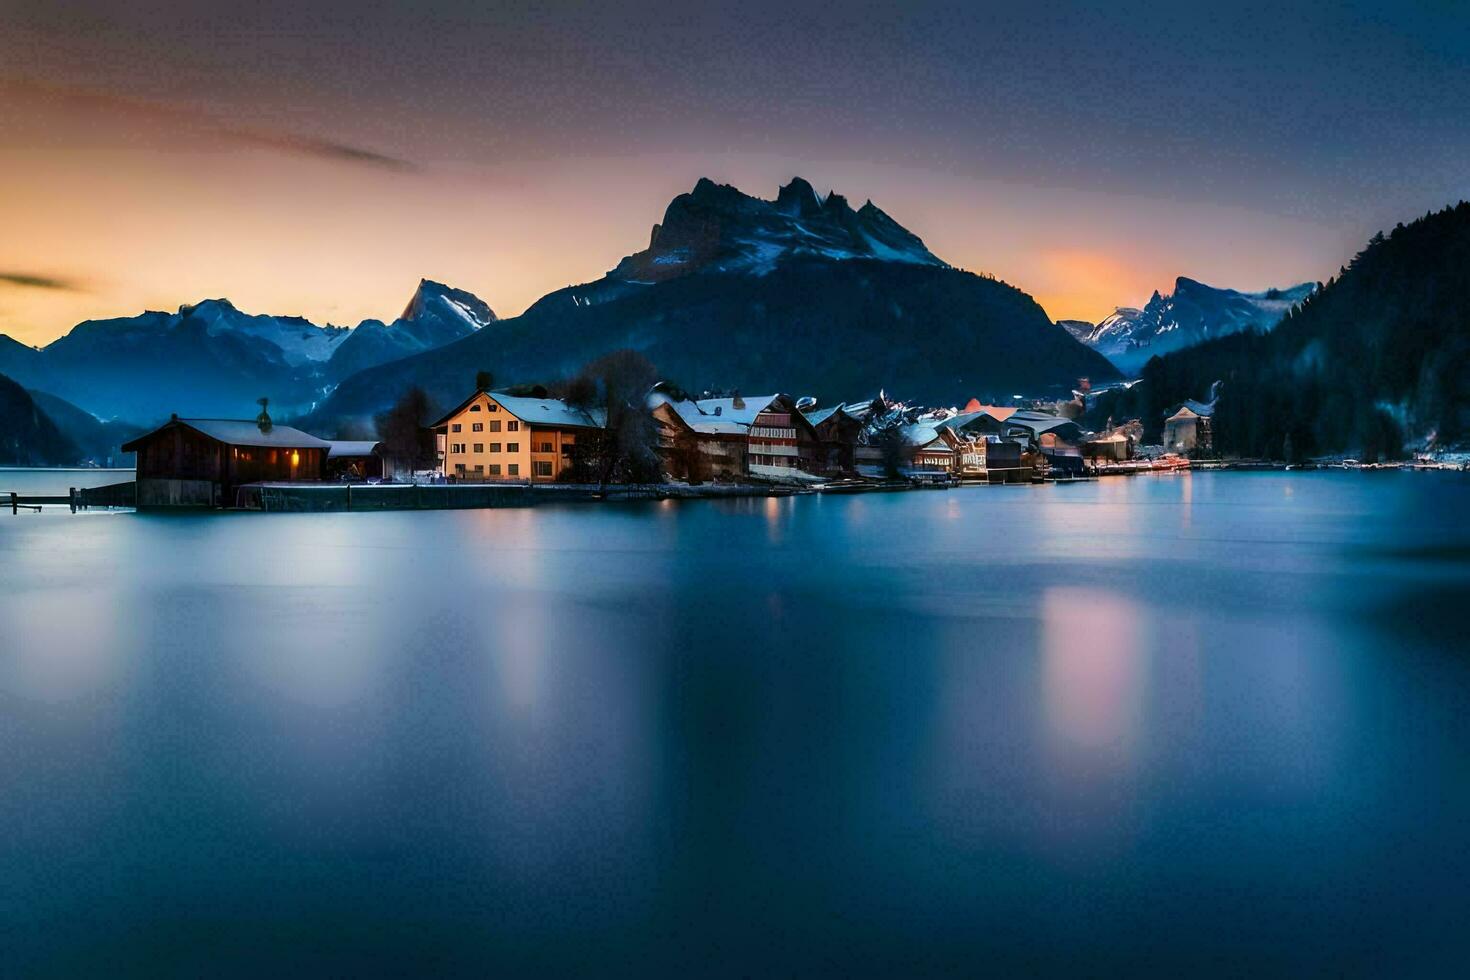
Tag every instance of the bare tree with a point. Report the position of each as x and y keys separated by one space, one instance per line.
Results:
x=403 y=431
x=614 y=390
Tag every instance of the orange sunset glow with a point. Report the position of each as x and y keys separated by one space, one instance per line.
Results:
x=118 y=204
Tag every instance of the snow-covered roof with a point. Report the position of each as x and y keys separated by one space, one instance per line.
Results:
x=243 y=432
x=717 y=415
x=545 y=411
x=350 y=447
x=819 y=415
x=919 y=434
x=534 y=411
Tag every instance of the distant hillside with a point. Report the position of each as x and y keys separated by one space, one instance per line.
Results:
x=801 y=293
x=210 y=358
x=1191 y=314
x=27 y=436
x=1376 y=361
x=96 y=441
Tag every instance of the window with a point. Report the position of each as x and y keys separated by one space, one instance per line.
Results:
x=474 y=408
x=512 y=426
x=455 y=427
x=456 y=447
x=477 y=427
x=479 y=468
x=494 y=407
x=512 y=447
x=546 y=447
x=513 y=469
x=495 y=447
x=494 y=469
x=479 y=447
x=495 y=426
x=459 y=468
x=541 y=469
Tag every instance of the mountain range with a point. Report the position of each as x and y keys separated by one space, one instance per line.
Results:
x=1191 y=314
x=211 y=358
x=1376 y=360
x=802 y=292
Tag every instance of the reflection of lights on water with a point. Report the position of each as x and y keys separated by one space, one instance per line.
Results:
x=63 y=647
x=1094 y=671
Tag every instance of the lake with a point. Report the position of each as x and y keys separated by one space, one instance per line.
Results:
x=1215 y=723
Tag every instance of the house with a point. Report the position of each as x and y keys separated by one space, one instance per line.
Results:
x=991 y=459
x=202 y=462
x=763 y=436
x=930 y=452
x=493 y=437
x=1190 y=428
x=838 y=431
x=708 y=450
x=1112 y=445
x=352 y=460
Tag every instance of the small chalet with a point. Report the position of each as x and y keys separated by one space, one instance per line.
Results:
x=202 y=462
x=838 y=431
x=1191 y=427
x=932 y=453
x=354 y=460
x=494 y=437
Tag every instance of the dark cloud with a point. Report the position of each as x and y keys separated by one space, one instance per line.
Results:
x=199 y=121
x=38 y=282
x=323 y=150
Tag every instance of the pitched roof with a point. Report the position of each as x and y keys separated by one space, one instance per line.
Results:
x=241 y=432
x=1203 y=409
x=545 y=411
x=819 y=415
x=718 y=415
x=532 y=411
x=350 y=447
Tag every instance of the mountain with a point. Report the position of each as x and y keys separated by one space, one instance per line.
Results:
x=1192 y=313
x=1376 y=361
x=96 y=441
x=211 y=358
x=802 y=293
x=28 y=437
x=1079 y=329
x=717 y=228
x=436 y=315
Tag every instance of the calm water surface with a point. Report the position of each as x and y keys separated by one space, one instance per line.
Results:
x=1209 y=723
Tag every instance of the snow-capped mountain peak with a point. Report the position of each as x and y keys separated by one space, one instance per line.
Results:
x=716 y=227
x=1192 y=313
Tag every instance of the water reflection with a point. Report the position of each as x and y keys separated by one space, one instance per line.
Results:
x=1094 y=676
x=813 y=734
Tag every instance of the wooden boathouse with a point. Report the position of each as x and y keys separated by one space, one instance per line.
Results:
x=202 y=462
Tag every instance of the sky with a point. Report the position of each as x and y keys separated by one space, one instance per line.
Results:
x=319 y=158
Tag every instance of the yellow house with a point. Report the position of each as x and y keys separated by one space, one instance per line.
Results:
x=497 y=437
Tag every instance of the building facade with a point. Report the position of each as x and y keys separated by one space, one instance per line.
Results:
x=493 y=437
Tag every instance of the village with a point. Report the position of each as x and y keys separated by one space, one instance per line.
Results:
x=498 y=448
